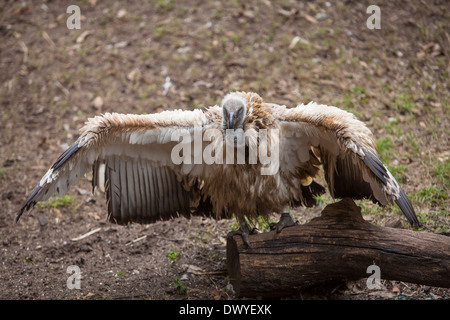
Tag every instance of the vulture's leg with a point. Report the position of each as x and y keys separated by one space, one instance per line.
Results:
x=244 y=231
x=285 y=221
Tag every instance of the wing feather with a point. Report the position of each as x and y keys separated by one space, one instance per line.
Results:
x=375 y=165
x=160 y=189
x=132 y=191
x=146 y=192
x=347 y=151
x=168 y=198
x=123 y=192
x=130 y=156
x=143 y=194
x=153 y=192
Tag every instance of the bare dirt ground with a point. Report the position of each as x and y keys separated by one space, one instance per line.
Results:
x=52 y=79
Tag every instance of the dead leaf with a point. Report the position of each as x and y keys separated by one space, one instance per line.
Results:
x=98 y=102
x=193 y=269
x=94 y=215
x=21 y=10
x=121 y=44
x=296 y=40
x=83 y=192
x=248 y=14
x=427 y=46
x=416 y=111
x=354 y=288
x=395 y=289
x=309 y=18
x=42 y=142
x=200 y=83
x=121 y=13
x=133 y=75
x=383 y=294
x=420 y=54
x=57 y=214
x=405 y=160
x=436 y=104
x=217 y=295
x=83 y=36
x=363 y=64
x=287 y=13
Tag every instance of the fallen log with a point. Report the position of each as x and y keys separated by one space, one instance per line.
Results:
x=337 y=246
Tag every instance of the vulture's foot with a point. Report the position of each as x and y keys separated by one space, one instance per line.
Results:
x=244 y=231
x=285 y=221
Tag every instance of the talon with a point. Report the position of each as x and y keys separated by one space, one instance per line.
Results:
x=285 y=221
x=244 y=231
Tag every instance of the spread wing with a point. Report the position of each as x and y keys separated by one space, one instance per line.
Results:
x=317 y=134
x=131 y=159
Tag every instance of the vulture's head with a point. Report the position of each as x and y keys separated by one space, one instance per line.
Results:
x=234 y=108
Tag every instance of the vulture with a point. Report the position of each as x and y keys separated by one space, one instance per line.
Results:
x=246 y=158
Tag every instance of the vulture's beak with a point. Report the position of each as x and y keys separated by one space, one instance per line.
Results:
x=230 y=120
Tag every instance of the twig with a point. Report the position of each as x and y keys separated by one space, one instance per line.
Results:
x=49 y=40
x=25 y=51
x=59 y=85
x=136 y=240
x=86 y=234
